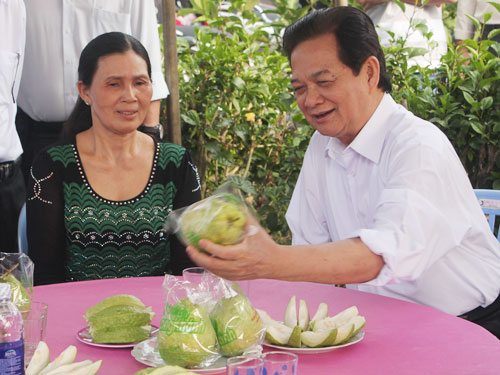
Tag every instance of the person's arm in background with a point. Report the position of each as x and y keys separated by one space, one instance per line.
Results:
x=144 y=27
x=464 y=28
x=45 y=221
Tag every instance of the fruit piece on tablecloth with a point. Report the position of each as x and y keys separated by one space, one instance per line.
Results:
x=40 y=359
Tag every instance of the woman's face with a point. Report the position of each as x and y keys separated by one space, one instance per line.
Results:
x=120 y=92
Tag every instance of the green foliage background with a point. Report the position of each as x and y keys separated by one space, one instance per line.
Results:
x=240 y=120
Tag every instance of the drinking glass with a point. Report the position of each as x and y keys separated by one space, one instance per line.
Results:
x=35 y=323
x=244 y=365
x=280 y=363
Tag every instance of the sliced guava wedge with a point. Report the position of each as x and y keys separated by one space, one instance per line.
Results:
x=319 y=339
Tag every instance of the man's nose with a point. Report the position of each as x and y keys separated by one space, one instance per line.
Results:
x=313 y=97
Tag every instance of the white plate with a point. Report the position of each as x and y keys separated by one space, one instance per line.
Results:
x=353 y=340
x=83 y=335
x=145 y=352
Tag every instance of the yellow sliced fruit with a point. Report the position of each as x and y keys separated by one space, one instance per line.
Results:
x=320 y=338
x=40 y=359
x=67 y=356
x=70 y=368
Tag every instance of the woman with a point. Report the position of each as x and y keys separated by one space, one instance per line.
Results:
x=100 y=198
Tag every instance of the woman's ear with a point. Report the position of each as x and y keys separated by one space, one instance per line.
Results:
x=83 y=91
x=372 y=67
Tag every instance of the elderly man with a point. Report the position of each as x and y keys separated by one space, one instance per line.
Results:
x=382 y=202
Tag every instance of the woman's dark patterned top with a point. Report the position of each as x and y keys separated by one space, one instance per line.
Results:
x=75 y=234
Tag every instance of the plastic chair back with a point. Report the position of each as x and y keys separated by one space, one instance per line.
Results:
x=489 y=200
x=22 y=237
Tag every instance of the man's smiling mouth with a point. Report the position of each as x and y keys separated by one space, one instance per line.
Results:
x=319 y=116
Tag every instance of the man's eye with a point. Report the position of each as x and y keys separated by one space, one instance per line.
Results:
x=324 y=83
x=299 y=89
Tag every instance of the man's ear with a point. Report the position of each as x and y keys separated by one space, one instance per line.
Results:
x=372 y=72
x=83 y=92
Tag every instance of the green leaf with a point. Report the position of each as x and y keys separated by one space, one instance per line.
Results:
x=211 y=133
x=486 y=103
x=238 y=82
x=478 y=127
x=495 y=4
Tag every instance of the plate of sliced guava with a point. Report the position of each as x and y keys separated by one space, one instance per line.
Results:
x=306 y=350
x=84 y=336
x=146 y=352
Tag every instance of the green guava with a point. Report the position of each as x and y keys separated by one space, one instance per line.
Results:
x=186 y=336
x=118 y=335
x=121 y=316
x=237 y=324
x=219 y=218
x=20 y=296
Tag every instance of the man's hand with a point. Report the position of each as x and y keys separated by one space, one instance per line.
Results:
x=254 y=257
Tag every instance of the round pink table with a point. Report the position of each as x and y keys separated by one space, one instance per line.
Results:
x=400 y=337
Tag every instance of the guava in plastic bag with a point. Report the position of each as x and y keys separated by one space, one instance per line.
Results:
x=237 y=324
x=219 y=218
x=17 y=270
x=186 y=337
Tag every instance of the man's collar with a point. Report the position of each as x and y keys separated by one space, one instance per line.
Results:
x=370 y=139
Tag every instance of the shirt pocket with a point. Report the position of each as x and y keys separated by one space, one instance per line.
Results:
x=9 y=61
x=106 y=20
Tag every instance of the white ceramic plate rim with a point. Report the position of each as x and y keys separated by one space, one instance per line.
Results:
x=216 y=368
x=353 y=340
x=83 y=335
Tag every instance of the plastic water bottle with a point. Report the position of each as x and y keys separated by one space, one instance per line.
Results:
x=11 y=334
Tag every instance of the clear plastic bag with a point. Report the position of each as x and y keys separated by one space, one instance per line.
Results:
x=17 y=270
x=220 y=218
x=186 y=337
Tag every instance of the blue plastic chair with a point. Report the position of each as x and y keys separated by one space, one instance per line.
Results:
x=489 y=200
x=22 y=236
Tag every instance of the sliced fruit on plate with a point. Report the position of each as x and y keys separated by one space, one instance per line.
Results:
x=119 y=299
x=319 y=339
x=165 y=370
x=278 y=334
x=67 y=356
x=295 y=337
x=303 y=318
x=290 y=319
x=321 y=313
x=343 y=333
x=335 y=321
x=359 y=323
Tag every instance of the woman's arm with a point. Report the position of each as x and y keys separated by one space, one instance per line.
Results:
x=45 y=221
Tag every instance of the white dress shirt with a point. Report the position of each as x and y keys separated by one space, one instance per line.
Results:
x=58 y=30
x=464 y=28
x=13 y=35
x=389 y=16
x=401 y=188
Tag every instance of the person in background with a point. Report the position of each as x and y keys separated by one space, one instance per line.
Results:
x=387 y=15
x=464 y=28
x=382 y=203
x=57 y=31
x=99 y=198
x=12 y=191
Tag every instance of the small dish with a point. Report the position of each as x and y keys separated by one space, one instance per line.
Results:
x=353 y=340
x=145 y=352
x=84 y=336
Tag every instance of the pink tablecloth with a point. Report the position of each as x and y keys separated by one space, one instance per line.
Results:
x=400 y=337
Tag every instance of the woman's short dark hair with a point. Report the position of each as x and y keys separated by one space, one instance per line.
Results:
x=354 y=32
x=101 y=46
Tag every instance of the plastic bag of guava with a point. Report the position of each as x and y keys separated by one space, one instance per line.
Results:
x=186 y=337
x=237 y=324
x=17 y=270
x=220 y=218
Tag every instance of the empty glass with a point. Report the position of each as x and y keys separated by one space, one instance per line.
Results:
x=280 y=363
x=244 y=365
